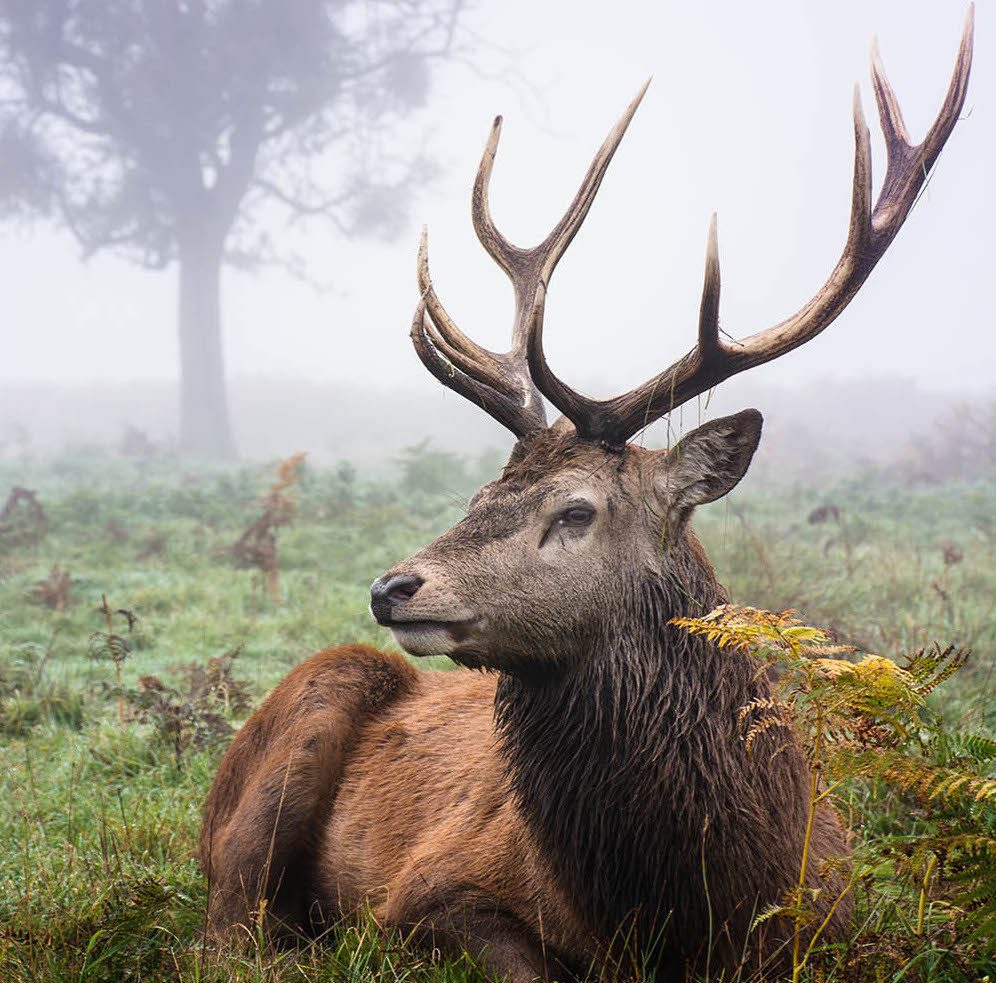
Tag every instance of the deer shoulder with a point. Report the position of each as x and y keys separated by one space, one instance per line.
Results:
x=276 y=782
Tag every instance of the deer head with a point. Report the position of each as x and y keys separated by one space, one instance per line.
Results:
x=538 y=569
x=555 y=553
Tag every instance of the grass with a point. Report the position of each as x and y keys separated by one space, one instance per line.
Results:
x=99 y=820
x=902 y=567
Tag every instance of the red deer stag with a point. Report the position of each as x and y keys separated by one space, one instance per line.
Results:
x=594 y=783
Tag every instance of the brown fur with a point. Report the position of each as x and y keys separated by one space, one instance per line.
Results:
x=589 y=797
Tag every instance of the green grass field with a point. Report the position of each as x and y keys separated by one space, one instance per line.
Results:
x=99 y=817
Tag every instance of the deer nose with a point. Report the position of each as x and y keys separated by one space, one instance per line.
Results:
x=387 y=591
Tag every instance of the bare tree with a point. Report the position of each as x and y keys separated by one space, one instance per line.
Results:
x=161 y=129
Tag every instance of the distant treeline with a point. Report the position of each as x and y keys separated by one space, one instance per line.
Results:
x=887 y=429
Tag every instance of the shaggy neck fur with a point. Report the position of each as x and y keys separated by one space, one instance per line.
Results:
x=632 y=772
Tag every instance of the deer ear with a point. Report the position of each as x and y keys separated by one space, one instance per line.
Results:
x=710 y=461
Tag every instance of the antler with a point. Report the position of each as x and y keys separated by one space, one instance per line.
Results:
x=501 y=382
x=871 y=231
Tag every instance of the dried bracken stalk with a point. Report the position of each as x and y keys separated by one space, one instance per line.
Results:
x=54 y=591
x=824 y=513
x=109 y=645
x=257 y=546
x=153 y=543
x=182 y=723
x=136 y=443
x=117 y=531
x=192 y=716
x=22 y=518
x=214 y=684
x=951 y=554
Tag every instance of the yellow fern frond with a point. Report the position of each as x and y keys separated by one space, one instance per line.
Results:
x=831 y=668
x=914 y=775
x=762 y=726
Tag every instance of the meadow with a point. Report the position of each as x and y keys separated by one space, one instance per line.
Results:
x=133 y=638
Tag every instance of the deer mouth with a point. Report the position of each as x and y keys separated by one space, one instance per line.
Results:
x=431 y=637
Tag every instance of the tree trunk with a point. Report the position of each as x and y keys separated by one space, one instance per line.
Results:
x=205 y=427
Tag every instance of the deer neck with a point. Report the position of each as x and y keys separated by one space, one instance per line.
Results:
x=629 y=764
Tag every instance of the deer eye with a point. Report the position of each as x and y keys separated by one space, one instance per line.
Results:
x=576 y=516
x=573 y=517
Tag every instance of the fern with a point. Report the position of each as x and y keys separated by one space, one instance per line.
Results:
x=912 y=774
x=978 y=748
x=867 y=722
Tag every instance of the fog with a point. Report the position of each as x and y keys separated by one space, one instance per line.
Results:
x=748 y=115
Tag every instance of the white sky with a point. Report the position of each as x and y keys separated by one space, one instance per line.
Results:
x=748 y=114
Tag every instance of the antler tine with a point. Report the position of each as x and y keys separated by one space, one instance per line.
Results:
x=890 y=115
x=901 y=152
x=709 y=306
x=555 y=244
x=506 y=255
x=469 y=355
x=515 y=260
x=870 y=232
x=501 y=382
x=614 y=421
x=527 y=268
x=520 y=413
x=571 y=403
x=599 y=419
x=530 y=269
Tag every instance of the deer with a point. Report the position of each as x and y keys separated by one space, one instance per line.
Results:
x=578 y=794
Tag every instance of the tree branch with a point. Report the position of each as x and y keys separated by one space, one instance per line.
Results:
x=303 y=207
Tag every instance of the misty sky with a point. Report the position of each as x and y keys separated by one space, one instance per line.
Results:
x=748 y=114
